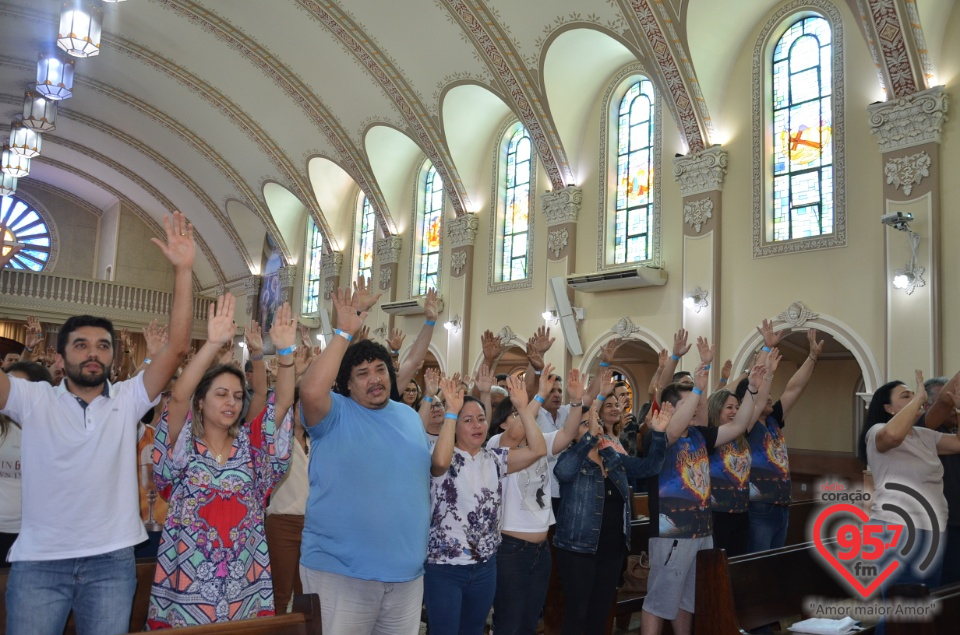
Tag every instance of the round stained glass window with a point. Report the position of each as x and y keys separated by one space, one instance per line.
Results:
x=22 y=225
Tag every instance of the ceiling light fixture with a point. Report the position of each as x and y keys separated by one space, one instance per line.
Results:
x=55 y=75
x=13 y=164
x=696 y=300
x=39 y=112
x=24 y=140
x=79 y=33
x=8 y=184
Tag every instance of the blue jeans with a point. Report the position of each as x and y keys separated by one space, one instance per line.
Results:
x=909 y=570
x=768 y=526
x=99 y=589
x=459 y=596
x=523 y=575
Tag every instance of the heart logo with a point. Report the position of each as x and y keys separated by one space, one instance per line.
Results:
x=864 y=591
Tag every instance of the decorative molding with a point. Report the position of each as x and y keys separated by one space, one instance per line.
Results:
x=329 y=284
x=388 y=250
x=911 y=120
x=624 y=327
x=288 y=276
x=891 y=50
x=908 y=171
x=462 y=231
x=606 y=220
x=697 y=213
x=557 y=241
x=561 y=206
x=701 y=171
x=458 y=260
x=330 y=264
x=762 y=165
x=386 y=276
x=797 y=314
x=507 y=336
x=251 y=285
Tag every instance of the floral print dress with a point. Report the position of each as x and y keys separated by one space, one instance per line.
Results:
x=465 y=508
x=213 y=564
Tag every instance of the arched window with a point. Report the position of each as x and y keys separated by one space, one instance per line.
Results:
x=635 y=168
x=311 y=282
x=513 y=213
x=21 y=224
x=800 y=204
x=429 y=221
x=368 y=226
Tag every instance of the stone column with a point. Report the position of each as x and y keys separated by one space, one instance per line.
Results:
x=462 y=237
x=561 y=208
x=288 y=283
x=387 y=260
x=700 y=175
x=908 y=130
x=330 y=268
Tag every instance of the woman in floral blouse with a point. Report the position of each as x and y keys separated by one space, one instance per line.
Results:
x=213 y=564
x=461 y=570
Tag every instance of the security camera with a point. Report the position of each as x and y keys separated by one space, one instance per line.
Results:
x=897 y=220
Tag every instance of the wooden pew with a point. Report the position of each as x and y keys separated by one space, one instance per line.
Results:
x=304 y=620
x=947 y=622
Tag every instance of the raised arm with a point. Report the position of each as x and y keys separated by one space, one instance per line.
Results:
x=686 y=407
x=680 y=348
x=283 y=333
x=574 y=385
x=945 y=404
x=607 y=353
x=33 y=342
x=431 y=384
x=180 y=250
x=770 y=362
x=155 y=336
x=317 y=382
x=443 y=452
x=482 y=382
x=757 y=391
x=893 y=432
x=418 y=351
x=654 y=388
x=394 y=344
x=707 y=353
x=220 y=329
x=724 y=375
x=258 y=378
x=519 y=458
x=492 y=348
x=537 y=347
x=801 y=378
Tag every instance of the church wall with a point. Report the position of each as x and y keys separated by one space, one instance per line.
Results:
x=140 y=263
x=76 y=229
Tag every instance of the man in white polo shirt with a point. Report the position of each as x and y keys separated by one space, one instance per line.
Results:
x=81 y=516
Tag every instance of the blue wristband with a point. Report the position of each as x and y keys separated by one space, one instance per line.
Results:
x=675 y=358
x=450 y=415
x=428 y=399
x=601 y=398
x=146 y=361
x=697 y=391
x=431 y=322
x=394 y=352
x=289 y=349
x=707 y=367
x=343 y=334
x=604 y=364
x=765 y=349
x=539 y=399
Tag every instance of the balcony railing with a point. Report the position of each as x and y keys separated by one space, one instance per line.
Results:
x=27 y=293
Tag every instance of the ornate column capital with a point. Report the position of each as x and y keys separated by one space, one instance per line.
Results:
x=251 y=285
x=331 y=264
x=701 y=171
x=288 y=275
x=462 y=231
x=561 y=206
x=909 y=121
x=388 y=250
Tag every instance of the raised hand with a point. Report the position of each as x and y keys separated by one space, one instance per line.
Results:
x=349 y=318
x=305 y=337
x=518 y=392
x=50 y=356
x=921 y=393
x=226 y=354
x=542 y=340
x=608 y=350
x=452 y=394
x=534 y=356
x=220 y=324
x=431 y=305
x=363 y=333
x=662 y=359
x=726 y=370
x=595 y=428
x=301 y=359
x=772 y=361
x=254 y=338
x=395 y=341
x=706 y=351
x=431 y=382
x=606 y=382
x=757 y=374
x=179 y=247
x=661 y=419
x=575 y=384
x=547 y=380
x=483 y=379
x=700 y=376
x=680 y=346
x=457 y=378
x=770 y=339
x=491 y=347
x=363 y=298
x=815 y=347
x=283 y=332
x=155 y=335
x=34 y=334
x=125 y=340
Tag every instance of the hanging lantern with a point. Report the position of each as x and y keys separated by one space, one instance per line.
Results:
x=13 y=164
x=55 y=75
x=80 y=28
x=39 y=113
x=8 y=184
x=23 y=140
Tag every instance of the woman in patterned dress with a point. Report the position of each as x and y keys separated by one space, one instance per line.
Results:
x=461 y=571
x=213 y=564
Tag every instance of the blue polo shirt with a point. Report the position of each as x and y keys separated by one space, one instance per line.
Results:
x=368 y=512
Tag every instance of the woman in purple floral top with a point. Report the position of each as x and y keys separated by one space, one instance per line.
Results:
x=461 y=570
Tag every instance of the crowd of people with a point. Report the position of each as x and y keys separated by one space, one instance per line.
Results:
x=314 y=473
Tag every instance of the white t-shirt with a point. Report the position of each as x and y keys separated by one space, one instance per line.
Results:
x=79 y=469
x=915 y=464
x=290 y=494
x=548 y=424
x=10 y=480
x=525 y=504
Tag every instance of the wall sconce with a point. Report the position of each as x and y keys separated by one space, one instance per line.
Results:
x=696 y=300
x=551 y=314
x=453 y=324
x=910 y=277
x=381 y=331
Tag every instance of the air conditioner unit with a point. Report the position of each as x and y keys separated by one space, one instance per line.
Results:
x=405 y=307
x=629 y=278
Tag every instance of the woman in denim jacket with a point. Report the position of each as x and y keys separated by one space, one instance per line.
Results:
x=593 y=526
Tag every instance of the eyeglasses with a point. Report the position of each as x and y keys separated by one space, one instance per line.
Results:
x=437 y=404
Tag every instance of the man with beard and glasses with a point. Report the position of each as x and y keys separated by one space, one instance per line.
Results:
x=368 y=512
x=80 y=513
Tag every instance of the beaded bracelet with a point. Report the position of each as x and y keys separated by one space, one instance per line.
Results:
x=256 y=358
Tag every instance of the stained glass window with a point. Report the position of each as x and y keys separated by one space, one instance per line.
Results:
x=311 y=286
x=368 y=225
x=516 y=208
x=431 y=212
x=802 y=126
x=21 y=224
x=635 y=156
